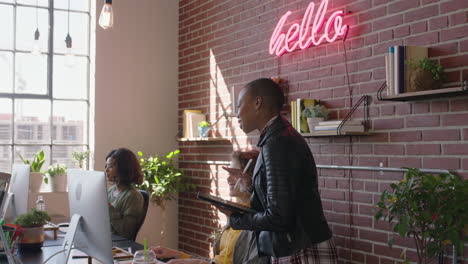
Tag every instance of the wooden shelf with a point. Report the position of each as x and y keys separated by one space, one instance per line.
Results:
x=335 y=134
x=203 y=139
x=424 y=95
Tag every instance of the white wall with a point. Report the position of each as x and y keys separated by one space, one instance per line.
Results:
x=136 y=89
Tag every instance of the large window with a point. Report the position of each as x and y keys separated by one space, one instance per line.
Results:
x=44 y=97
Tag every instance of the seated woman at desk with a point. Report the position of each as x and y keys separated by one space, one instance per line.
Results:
x=125 y=202
x=232 y=246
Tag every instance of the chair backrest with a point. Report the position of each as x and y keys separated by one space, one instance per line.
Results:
x=145 y=195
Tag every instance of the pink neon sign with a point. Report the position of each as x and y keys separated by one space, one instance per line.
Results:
x=302 y=36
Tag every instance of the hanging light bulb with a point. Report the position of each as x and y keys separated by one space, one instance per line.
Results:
x=36 y=49
x=69 y=57
x=106 y=19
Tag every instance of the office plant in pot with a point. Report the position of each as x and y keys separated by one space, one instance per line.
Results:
x=203 y=128
x=163 y=181
x=32 y=227
x=80 y=158
x=315 y=114
x=429 y=208
x=56 y=176
x=427 y=75
x=36 y=176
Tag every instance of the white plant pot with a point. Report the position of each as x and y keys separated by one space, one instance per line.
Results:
x=312 y=122
x=58 y=183
x=35 y=181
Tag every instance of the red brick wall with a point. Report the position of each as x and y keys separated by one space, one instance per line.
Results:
x=224 y=44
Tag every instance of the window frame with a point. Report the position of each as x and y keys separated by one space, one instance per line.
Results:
x=49 y=96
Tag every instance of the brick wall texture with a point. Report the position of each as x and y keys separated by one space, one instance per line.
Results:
x=224 y=44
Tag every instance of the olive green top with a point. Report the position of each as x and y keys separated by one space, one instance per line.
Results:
x=125 y=211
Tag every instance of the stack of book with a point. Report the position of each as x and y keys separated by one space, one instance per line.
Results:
x=398 y=70
x=332 y=127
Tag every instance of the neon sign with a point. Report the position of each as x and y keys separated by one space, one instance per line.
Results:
x=301 y=36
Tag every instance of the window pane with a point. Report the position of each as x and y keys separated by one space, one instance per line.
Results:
x=26 y=27
x=44 y=3
x=6 y=1
x=63 y=155
x=6 y=121
x=6 y=26
x=6 y=72
x=82 y=5
x=5 y=158
x=32 y=123
x=70 y=124
x=70 y=82
x=28 y=153
x=79 y=24
x=31 y=73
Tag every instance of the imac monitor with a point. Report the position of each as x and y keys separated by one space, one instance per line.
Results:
x=89 y=230
x=19 y=190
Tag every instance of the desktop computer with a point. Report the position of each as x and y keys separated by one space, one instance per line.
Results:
x=89 y=230
x=17 y=197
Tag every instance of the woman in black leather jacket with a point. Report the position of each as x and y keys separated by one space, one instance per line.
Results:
x=290 y=224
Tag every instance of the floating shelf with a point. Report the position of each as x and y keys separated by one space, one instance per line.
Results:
x=203 y=139
x=334 y=134
x=424 y=95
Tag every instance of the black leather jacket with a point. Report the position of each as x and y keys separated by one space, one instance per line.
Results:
x=290 y=215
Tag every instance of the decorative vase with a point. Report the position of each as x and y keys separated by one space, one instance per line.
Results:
x=32 y=239
x=58 y=183
x=35 y=181
x=203 y=131
x=313 y=122
x=422 y=80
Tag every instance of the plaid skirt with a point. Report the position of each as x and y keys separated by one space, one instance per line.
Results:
x=321 y=253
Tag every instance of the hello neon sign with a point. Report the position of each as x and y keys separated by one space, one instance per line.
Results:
x=301 y=36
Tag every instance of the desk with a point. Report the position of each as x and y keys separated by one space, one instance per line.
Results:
x=49 y=248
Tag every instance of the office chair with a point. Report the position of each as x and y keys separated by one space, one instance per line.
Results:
x=145 y=195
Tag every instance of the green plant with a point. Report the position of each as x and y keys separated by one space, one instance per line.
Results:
x=80 y=157
x=429 y=208
x=53 y=170
x=204 y=124
x=426 y=64
x=37 y=161
x=34 y=218
x=162 y=179
x=315 y=111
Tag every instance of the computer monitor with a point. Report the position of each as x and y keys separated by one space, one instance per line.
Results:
x=17 y=201
x=89 y=230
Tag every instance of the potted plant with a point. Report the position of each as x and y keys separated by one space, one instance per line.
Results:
x=56 y=175
x=35 y=178
x=80 y=158
x=203 y=128
x=163 y=181
x=32 y=227
x=429 y=208
x=315 y=114
x=427 y=75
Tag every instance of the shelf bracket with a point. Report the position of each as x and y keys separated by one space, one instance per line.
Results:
x=364 y=99
x=379 y=92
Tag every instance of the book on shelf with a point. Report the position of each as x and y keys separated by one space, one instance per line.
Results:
x=345 y=128
x=300 y=120
x=218 y=201
x=397 y=68
x=293 y=115
x=337 y=122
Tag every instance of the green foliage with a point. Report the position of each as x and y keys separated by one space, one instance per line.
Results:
x=34 y=218
x=36 y=163
x=435 y=68
x=315 y=111
x=162 y=179
x=80 y=157
x=430 y=208
x=57 y=169
x=204 y=124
